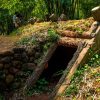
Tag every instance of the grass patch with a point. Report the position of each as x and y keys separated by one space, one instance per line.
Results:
x=84 y=73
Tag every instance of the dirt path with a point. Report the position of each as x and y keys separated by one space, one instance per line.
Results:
x=7 y=42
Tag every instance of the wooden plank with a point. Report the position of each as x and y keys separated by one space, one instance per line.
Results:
x=82 y=57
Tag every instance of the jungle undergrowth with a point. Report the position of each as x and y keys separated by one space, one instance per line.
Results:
x=77 y=78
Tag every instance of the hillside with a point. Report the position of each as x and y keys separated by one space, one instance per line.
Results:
x=76 y=26
x=33 y=35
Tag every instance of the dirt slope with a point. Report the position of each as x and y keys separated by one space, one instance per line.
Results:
x=7 y=42
x=77 y=26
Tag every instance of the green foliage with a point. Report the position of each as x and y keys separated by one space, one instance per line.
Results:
x=24 y=40
x=52 y=35
x=86 y=6
x=94 y=61
x=79 y=30
x=51 y=38
x=27 y=41
x=40 y=9
x=71 y=90
x=46 y=46
x=26 y=8
x=39 y=87
x=74 y=9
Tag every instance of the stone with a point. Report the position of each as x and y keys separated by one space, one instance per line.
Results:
x=62 y=17
x=16 y=85
x=18 y=57
x=1 y=55
x=6 y=53
x=39 y=20
x=53 y=17
x=31 y=52
x=31 y=59
x=1 y=66
x=9 y=78
x=32 y=20
x=96 y=13
x=2 y=86
x=24 y=57
x=13 y=70
x=16 y=63
x=5 y=71
x=20 y=73
x=31 y=66
x=6 y=60
x=18 y=50
x=47 y=17
x=37 y=55
x=6 y=66
x=2 y=75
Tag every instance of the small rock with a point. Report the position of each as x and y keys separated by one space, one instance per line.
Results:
x=13 y=70
x=62 y=17
x=6 y=60
x=31 y=59
x=37 y=55
x=24 y=57
x=32 y=20
x=6 y=66
x=16 y=85
x=17 y=56
x=9 y=78
x=3 y=75
x=16 y=63
x=2 y=86
x=31 y=52
x=20 y=73
x=18 y=50
x=5 y=71
x=31 y=66
x=39 y=20
x=96 y=13
x=6 y=53
x=1 y=66
x=53 y=18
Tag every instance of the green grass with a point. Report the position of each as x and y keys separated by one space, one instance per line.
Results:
x=39 y=87
x=77 y=78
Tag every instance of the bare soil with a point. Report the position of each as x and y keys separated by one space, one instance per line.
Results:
x=7 y=42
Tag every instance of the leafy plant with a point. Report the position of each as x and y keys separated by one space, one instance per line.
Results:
x=39 y=87
x=27 y=41
x=23 y=41
x=71 y=90
x=77 y=78
x=52 y=35
x=60 y=72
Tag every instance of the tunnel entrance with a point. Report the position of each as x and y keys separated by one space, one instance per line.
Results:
x=57 y=64
x=52 y=72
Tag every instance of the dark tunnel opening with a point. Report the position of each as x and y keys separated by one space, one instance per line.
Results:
x=58 y=63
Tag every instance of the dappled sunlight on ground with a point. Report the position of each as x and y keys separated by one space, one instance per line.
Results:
x=27 y=30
